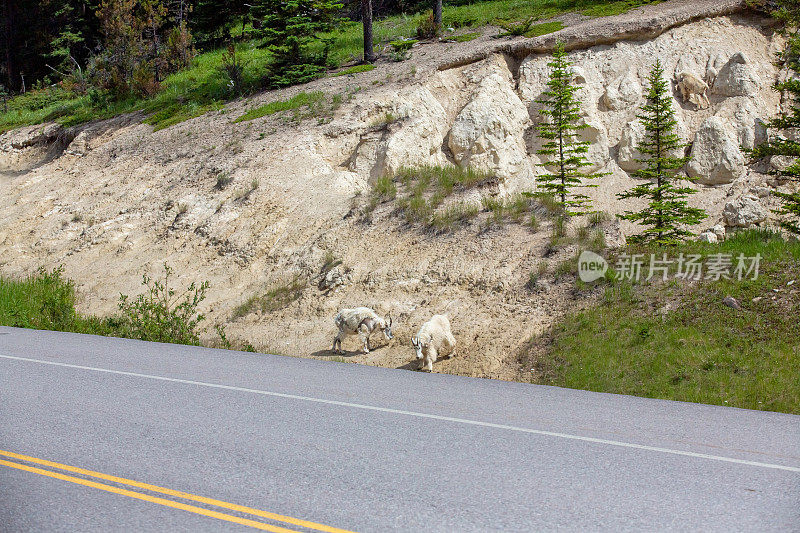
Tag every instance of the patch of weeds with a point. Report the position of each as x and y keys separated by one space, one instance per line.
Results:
x=227 y=344
x=533 y=222
x=356 y=69
x=244 y=194
x=329 y=262
x=513 y=28
x=385 y=120
x=598 y=217
x=448 y=218
x=401 y=49
x=223 y=180
x=496 y=208
x=536 y=275
x=274 y=299
x=549 y=203
x=302 y=99
x=568 y=267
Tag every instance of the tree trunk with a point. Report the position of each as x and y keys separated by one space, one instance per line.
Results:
x=437 y=14
x=10 y=44
x=366 y=19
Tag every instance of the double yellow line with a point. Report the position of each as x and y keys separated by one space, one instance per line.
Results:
x=162 y=490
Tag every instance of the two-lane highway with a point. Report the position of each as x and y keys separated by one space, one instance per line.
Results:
x=102 y=434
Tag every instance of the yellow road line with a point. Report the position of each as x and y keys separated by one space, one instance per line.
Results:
x=177 y=493
x=153 y=499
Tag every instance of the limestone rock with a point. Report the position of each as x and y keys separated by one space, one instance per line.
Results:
x=79 y=145
x=781 y=162
x=708 y=236
x=745 y=119
x=736 y=78
x=623 y=93
x=488 y=132
x=716 y=158
x=744 y=212
x=28 y=136
x=419 y=140
x=628 y=155
x=719 y=231
x=732 y=302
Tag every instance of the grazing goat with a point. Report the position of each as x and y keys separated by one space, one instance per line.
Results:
x=361 y=321
x=434 y=339
x=690 y=85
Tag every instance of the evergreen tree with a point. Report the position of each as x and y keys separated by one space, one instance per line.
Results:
x=212 y=20
x=780 y=143
x=565 y=154
x=667 y=211
x=291 y=30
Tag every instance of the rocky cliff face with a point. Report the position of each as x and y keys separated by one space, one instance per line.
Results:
x=115 y=200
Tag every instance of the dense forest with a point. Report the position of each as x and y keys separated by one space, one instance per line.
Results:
x=129 y=46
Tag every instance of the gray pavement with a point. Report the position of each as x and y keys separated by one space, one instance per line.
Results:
x=371 y=449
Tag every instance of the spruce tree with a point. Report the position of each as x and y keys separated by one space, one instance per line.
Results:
x=780 y=143
x=565 y=154
x=292 y=30
x=667 y=211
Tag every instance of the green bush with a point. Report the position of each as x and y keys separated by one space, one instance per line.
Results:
x=162 y=315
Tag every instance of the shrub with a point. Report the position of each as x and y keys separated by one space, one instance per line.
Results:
x=162 y=315
x=426 y=27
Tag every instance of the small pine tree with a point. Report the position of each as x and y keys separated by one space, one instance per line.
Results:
x=565 y=155
x=292 y=30
x=779 y=143
x=668 y=211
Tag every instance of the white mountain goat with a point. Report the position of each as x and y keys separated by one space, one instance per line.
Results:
x=690 y=85
x=361 y=321
x=433 y=340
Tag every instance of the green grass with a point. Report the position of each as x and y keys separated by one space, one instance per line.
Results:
x=301 y=100
x=696 y=349
x=544 y=28
x=465 y=37
x=46 y=301
x=355 y=70
x=275 y=298
x=420 y=195
x=203 y=87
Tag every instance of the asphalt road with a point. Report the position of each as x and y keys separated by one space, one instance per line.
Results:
x=362 y=449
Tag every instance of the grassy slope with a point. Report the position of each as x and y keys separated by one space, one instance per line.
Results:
x=202 y=87
x=700 y=350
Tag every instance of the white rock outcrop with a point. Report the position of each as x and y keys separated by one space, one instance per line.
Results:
x=715 y=156
x=708 y=236
x=744 y=212
x=488 y=132
x=419 y=140
x=628 y=155
x=623 y=93
x=737 y=77
x=747 y=118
